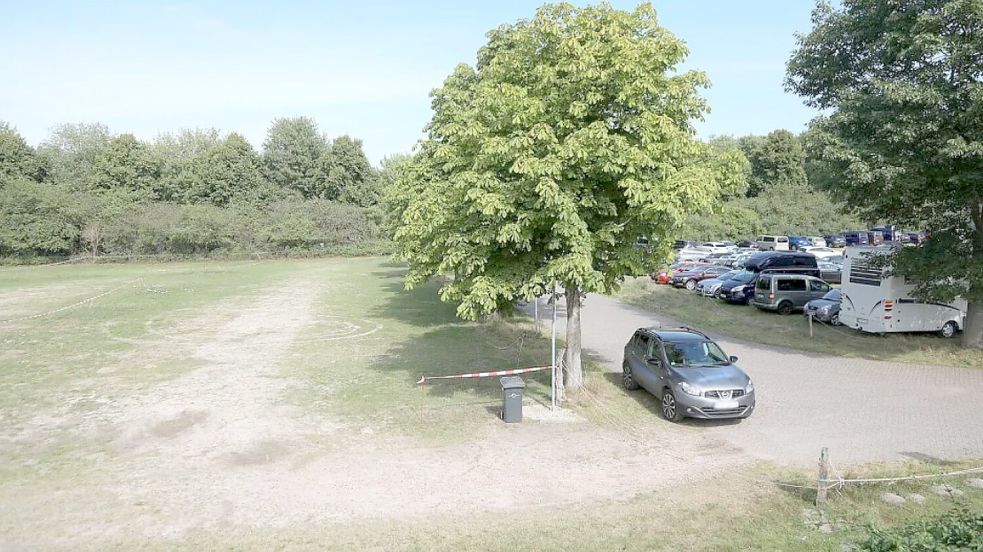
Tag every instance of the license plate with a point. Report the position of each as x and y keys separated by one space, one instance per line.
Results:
x=726 y=405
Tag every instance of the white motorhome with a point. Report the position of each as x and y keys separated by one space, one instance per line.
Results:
x=875 y=302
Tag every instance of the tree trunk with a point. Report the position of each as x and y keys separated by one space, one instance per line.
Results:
x=573 y=377
x=973 y=332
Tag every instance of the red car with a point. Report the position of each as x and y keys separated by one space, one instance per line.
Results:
x=664 y=276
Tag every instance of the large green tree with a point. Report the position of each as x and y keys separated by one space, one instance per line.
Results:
x=571 y=137
x=350 y=177
x=125 y=164
x=903 y=81
x=224 y=171
x=17 y=158
x=294 y=154
x=776 y=160
x=71 y=151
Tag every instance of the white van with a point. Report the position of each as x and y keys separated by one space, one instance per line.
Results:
x=877 y=303
x=772 y=243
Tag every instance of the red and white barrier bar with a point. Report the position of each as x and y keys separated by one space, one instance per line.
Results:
x=423 y=379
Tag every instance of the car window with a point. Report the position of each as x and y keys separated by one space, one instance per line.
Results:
x=768 y=239
x=764 y=283
x=791 y=284
x=642 y=341
x=833 y=295
x=782 y=240
x=817 y=285
x=694 y=353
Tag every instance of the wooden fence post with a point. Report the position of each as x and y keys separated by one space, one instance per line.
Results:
x=822 y=483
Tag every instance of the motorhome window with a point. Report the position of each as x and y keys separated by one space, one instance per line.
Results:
x=791 y=284
x=861 y=272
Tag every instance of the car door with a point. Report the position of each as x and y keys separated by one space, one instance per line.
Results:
x=645 y=373
x=797 y=290
x=636 y=359
x=817 y=289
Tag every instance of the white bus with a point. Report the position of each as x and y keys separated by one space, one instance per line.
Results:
x=877 y=303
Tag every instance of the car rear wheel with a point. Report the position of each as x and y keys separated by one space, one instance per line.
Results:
x=670 y=410
x=628 y=381
x=785 y=307
x=691 y=284
x=948 y=329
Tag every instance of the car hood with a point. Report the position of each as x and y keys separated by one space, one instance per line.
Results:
x=731 y=284
x=714 y=377
x=710 y=282
x=820 y=303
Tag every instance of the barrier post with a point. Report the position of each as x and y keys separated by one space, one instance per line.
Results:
x=810 y=324
x=822 y=483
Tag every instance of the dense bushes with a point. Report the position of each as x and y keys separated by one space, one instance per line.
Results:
x=37 y=219
x=960 y=529
x=86 y=191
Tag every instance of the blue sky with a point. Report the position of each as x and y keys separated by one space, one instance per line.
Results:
x=362 y=68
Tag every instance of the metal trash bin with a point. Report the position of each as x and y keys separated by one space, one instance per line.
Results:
x=512 y=389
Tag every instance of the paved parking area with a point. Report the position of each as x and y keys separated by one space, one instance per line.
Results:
x=863 y=410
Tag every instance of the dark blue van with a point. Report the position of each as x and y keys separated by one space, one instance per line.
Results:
x=856 y=238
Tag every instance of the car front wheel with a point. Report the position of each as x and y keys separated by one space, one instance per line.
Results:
x=948 y=329
x=835 y=320
x=691 y=284
x=628 y=381
x=670 y=409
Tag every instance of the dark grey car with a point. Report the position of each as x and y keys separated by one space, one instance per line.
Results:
x=826 y=309
x=689 y=373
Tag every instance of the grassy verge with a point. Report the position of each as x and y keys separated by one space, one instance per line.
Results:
x=734 y=512
x=370 y=382
x=792 y=331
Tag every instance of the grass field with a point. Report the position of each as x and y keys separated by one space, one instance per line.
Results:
x=258 y=405
x=792 y=331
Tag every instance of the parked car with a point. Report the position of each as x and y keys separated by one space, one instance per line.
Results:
x=821 y=252
x=682 y=244
x=796 y=243
x=745 y=243
x=716 y=247
x=835 y=241
x=739 y=289
x=837 y=260
x=875 y=237
x=664 y=275
x=692 y=253
x=715 y=258
x=826 y=308
x=859 y=237
x=816 y=241
x=787 y=262
x=787 y=292
x=772 y=243
x=831 y=273
x=690 y=278
x=916 y=237
x=711 y=286
x=689 y=374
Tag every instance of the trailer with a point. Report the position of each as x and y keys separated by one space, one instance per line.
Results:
x=876 y=302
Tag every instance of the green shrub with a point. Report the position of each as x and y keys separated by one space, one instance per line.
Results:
x=958 y=530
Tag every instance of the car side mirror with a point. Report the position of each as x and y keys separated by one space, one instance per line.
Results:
x=733 y=359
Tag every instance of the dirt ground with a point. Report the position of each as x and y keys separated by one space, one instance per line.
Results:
x=220 y=448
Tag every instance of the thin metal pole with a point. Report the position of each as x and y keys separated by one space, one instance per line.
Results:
x=535 y=310
x=553 y=353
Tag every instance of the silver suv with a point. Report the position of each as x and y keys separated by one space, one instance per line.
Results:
x=689 y=373
x=787 y=292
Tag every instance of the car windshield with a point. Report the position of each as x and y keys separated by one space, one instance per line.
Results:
x=695 y=353
x=832 y=295
x=729 y=275
x=743 y=277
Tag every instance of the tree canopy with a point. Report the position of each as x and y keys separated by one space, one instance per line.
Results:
x=903 y=81
x=571 y=137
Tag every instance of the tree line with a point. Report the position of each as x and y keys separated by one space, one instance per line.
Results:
x=87 y=190
x=782 y=192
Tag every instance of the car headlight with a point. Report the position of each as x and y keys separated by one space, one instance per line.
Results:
x=690 y=389
x=824 y=310
x=750 y=387
x=737 y=289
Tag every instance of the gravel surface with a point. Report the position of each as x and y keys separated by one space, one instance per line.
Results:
x=863 y=410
